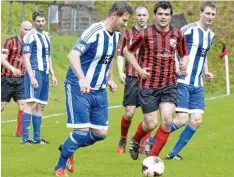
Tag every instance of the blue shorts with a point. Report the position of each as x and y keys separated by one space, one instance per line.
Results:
x=86 y=111
x=190 y=99
x=40 y=94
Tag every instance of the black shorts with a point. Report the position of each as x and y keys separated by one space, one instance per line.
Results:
x=131 y=92
x=151 y=98
x=12 y=87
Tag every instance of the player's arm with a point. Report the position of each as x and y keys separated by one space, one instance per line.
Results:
x=183 y=53
x=7 y=48
x=120 y=59
x=53 y=78
x=75 y=64
x=27 y=50
x=208 y=76
x=128 y=54
x=110 y=80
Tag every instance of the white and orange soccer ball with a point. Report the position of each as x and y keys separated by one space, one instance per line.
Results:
x=152 y=166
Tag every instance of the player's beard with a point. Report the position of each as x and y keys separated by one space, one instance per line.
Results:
x=40 y=28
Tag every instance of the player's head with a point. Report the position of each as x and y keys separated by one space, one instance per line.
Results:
x=141 y=16
x=25 y=27
x=207 y=13
x=119 y=14
x=39 y=20
x=163 y=12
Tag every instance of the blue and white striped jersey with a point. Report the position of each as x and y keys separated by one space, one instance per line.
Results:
x=198 y=43
x=97 y=47
x=38 y=45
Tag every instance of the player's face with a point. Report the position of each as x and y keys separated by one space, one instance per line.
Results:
x=40 y=23
x=208 y=15
x=25 y=29
x=120 y=22
x=163 y=17
x=141 y=16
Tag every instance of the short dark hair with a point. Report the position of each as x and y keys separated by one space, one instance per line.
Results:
x=36 y=14
x=163 y=5
x=120 y=8
x=207 y=4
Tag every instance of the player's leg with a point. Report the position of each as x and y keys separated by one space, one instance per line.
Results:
x=6 y=92
x=78 y=117
x=129 y=102
x=168 y=102
x=178 y=121
x=18 y=97
x=31 y=99
x=41 y=98
x=149 y=105
x=196 y=106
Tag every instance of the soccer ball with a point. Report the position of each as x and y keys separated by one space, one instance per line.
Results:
x=152 y=166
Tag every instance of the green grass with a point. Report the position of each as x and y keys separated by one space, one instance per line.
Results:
x=209 y=154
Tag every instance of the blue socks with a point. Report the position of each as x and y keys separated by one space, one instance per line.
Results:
x=26 y=120
x=76 y=140
x=185 y=136
x=174 y=127
x=36 y=121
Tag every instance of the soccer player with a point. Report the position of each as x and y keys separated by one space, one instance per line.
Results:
x=130 y=101
x=190 y=88
x=38 y=64
x=12 y=73
x=158 y=90
x=89 y=74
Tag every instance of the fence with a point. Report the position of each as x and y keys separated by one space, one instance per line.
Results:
x=69 y=17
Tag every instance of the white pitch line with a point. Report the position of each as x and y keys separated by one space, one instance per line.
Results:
x=56 y=115
x=110 y=107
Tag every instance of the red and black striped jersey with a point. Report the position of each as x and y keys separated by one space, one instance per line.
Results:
x=13 y=49
x=157 y=51
x=125 y=40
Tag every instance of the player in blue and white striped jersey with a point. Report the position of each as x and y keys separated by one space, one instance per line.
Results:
x=199 y=38
x=38 y=64
x=89 y=74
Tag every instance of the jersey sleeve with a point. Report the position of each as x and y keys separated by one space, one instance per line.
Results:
x=122 y=44
x=7 y=47
x=136 y=42
x=27 y=43
x=182 y=46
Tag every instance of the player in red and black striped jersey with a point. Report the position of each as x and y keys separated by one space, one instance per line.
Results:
x=130 y=77
x=158 y=89
x=12 y=72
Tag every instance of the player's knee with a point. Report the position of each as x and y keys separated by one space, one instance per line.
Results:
x=98 y=135
x=181 y=119
x=3 y=106
x=129 y=115
x=150 y=124
x=196 y=121
x=166 y=122
x=21 y=105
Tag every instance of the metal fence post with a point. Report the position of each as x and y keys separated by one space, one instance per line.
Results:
x=23 y=11
x=48 y=19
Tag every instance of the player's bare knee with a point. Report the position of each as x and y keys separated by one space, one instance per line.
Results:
x=3 y=106
x=21 y=105
x=195 y=121
x=181 y=119
x=167 y=122
x=150 y=124
x=129 y=115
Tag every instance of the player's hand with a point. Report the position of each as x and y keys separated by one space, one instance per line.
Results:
x=144 y=74
x=208 y=76
x=113 y=87
x=54 y=81
x=84 y=86
x=34 y=82
x=182 y=69
x=122 y=78
x=16 y=72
